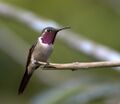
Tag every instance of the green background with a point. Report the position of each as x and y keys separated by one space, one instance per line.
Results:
x=98 y=20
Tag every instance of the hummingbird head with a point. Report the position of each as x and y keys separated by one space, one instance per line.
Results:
x=49 y=34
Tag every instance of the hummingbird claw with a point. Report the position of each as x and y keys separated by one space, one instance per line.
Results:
x=36 y=62
x=47 y=63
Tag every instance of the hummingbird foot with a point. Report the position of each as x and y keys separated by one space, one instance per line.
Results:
x=42 y=65
x=47 y=63
x=36 y=62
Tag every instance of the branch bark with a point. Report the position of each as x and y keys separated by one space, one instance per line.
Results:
x=79 y=65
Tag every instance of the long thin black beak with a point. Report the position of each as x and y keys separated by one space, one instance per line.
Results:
x=63 y=28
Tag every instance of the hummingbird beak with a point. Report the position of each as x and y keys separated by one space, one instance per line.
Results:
x=63 y=28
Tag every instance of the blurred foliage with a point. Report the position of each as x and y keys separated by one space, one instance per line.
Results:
x=92 y=18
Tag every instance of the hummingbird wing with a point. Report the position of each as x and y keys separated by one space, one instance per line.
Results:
x=26 y=76
x=29 y=54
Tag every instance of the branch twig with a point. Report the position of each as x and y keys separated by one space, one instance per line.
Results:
x=79 y=65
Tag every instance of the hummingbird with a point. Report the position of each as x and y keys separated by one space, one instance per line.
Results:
x=40 y=51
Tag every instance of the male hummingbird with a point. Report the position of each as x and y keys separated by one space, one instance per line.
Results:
x=40 y=51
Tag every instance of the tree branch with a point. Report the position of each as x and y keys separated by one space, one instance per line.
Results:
x=79 y=65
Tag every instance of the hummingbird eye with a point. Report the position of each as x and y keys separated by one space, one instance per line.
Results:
x=48 y=30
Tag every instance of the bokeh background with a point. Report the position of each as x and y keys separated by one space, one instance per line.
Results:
x=98 y=20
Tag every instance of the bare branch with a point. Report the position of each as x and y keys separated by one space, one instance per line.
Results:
x=79 y=65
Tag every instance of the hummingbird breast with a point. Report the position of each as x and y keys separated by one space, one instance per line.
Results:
x=42 y=51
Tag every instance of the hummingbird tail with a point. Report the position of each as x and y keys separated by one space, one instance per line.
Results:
x=24 y=82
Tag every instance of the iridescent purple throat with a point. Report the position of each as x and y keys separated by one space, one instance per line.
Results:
x=48 y=38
